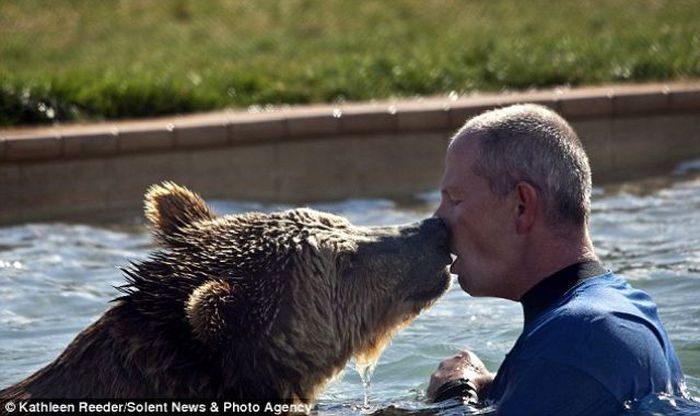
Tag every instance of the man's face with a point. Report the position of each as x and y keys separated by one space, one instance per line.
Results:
x=480 y=224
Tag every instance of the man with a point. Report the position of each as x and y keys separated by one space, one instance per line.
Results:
x=516 y=198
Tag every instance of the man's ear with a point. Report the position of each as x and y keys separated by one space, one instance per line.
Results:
x=170 y=208
x=527 y=203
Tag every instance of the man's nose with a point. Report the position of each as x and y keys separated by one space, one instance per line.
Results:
x=441 y=211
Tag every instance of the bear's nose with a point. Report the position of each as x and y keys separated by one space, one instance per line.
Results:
x=438 y=229
x=430 y=232
x=435 y=228
x=434 y=231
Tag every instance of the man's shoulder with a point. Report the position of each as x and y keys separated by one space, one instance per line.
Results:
x=604 y=314
x=602 y=331
x=571 y=333
x=599 y=328
x=600 y=302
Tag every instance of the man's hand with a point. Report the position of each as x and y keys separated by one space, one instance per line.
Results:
x=463 y=365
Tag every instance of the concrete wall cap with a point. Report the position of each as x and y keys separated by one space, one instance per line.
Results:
x=433 y=115
x=3 y=145
x=270 y=123
x=551 y=99
x=313 y=122
x=199 y=133
x=34 y=147
x=468 y=107
x=632 y=102
x=140 y=138
x=87 y=143
x=682 y=99
x=242 y=129
x=584 y=105
x=380 y=118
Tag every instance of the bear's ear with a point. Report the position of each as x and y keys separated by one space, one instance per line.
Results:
x=222 y=309
x=170 y=207
x=204 y=311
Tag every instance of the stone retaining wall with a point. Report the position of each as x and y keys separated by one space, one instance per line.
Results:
x=302 y=154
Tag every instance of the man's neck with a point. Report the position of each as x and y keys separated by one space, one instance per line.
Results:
x=552 y=288
x=552 y=255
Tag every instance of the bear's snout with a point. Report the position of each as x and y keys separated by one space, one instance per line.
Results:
x=430 y=238
x=435 y=231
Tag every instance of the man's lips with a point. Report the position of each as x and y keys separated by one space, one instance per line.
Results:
x=454 y=264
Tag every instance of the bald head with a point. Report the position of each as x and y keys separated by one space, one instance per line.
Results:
x=533 y=144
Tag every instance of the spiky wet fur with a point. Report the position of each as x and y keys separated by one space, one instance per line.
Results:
x=252 y=306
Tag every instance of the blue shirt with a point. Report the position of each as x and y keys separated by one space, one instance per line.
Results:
x=590 y=343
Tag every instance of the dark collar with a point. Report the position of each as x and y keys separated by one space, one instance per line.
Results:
x=554 y=286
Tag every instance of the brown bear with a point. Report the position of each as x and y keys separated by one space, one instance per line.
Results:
x=248 y=307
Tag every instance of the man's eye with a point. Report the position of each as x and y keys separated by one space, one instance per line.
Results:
x=450 y=198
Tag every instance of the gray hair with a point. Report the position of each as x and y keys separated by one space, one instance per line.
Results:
x=534 y=144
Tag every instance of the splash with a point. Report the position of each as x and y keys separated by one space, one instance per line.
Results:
x=662 y=404
x=365 y=370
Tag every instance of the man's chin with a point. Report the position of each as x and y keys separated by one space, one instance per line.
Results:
x=466 y=286
x=463 y=282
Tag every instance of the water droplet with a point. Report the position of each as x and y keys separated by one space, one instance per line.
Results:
x=337 y=112
x=365 y=370
x=453 y=96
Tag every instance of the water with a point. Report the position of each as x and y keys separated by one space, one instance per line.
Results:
x=55 y=279
x=365 y=370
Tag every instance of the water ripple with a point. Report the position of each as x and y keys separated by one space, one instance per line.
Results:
x=58 y=278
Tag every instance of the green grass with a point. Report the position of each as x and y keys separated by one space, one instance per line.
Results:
x=87 y=59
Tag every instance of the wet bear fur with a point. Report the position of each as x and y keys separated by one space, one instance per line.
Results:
x=247 y=307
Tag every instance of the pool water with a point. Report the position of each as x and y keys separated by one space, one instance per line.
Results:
x=55 y=279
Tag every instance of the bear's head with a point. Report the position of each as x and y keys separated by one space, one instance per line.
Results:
x=281 y=301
